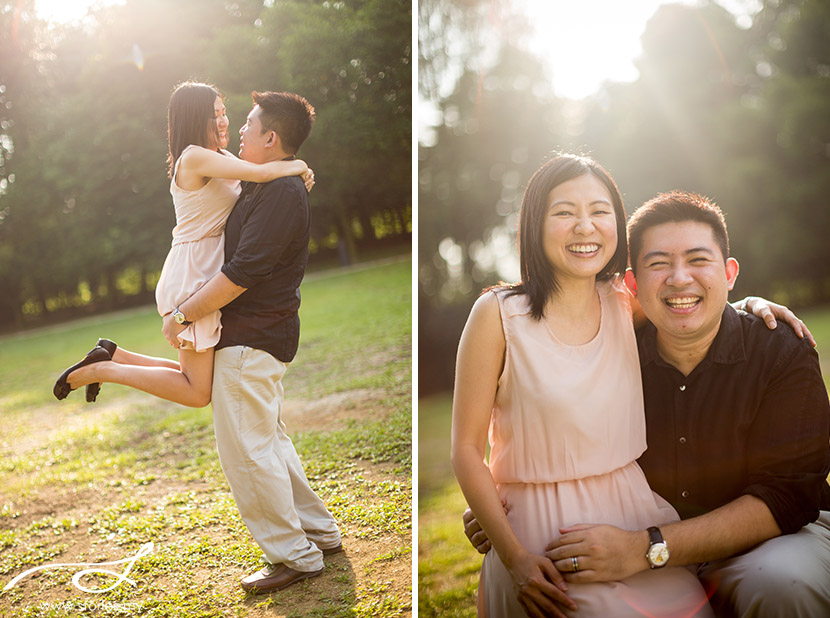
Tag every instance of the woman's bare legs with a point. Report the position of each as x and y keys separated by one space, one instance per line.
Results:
x=187 y=382
x=125 y=357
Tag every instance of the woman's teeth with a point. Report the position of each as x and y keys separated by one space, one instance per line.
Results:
x=583 y=248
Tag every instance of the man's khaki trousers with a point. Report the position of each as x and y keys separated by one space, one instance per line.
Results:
x=785 y=577
x=284 y=515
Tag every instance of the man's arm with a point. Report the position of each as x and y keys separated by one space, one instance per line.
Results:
x=607 y=553
x=274 y=221
x=214 y=295
x=787 y=460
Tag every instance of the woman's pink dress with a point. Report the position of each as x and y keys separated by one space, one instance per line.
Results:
x=198 y=252
x=566 y=429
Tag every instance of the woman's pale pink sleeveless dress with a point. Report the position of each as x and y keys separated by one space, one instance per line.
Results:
x=198 y=252
x=566 y=429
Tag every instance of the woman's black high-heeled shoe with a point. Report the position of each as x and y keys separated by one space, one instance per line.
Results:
x=96 y=355
x=93 y=389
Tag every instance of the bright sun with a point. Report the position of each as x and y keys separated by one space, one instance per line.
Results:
x=588 y=42
x=66 y=10
x=583 y=44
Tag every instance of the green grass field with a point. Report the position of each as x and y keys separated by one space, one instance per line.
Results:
x=448 y=567
x=91 y=483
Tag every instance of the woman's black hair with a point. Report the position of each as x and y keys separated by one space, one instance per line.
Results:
x=538 y=277
x=189 y=119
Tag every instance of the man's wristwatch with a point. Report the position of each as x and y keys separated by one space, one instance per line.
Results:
x=658 y=552
x=179 y=317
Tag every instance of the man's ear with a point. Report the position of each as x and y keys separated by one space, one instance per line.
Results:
x=732 y=269
x=631 y=281
x=273 y=140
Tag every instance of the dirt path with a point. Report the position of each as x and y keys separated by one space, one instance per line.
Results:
x=371 y=568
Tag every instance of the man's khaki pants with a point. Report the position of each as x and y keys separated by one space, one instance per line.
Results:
x=785 y=577
x=284 y=515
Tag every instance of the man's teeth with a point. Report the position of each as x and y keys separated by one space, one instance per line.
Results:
x=583 y=248
x=684 y=302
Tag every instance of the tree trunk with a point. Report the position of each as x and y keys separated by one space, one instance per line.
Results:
x=346 y=251
x=369 y=235
x=111 y=300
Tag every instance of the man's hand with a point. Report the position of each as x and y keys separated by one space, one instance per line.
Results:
x=477 y=536
x=604 y=553
x=539 y=587
x=770 y=311
x=171 y=330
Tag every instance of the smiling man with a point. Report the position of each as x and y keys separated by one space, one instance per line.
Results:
x=738 y=424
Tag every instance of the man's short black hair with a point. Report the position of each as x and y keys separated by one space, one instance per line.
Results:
x=287 y=114
x=675 y=207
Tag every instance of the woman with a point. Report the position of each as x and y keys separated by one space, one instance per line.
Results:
x=551 y=367
x=204 y=183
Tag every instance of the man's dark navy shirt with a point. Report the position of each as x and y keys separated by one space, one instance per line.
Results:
x=266 y=251
x=753 y=418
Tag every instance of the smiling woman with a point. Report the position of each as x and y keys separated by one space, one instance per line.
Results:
x=561 y=449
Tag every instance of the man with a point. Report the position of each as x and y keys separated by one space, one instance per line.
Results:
x=738 y=424
x=266 y=251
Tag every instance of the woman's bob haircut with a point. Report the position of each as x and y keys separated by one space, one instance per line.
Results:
x=538 y=275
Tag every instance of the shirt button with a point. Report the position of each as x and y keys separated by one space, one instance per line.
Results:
x=684 y=494
x=683 y=388
x=682 y=440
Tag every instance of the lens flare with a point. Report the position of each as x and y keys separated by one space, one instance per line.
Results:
x=137 y=57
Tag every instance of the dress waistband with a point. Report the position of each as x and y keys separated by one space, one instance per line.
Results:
x=177 y=241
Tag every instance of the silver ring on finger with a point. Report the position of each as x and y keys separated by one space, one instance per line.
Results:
x=575 y=564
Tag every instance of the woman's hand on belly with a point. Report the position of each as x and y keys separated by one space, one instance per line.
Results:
x=603 y=553
x=539 y=587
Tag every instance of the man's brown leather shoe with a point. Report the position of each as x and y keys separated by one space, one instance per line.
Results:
x=275 y=577
x=332 y=550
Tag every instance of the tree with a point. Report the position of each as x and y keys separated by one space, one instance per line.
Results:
x=86 y=223
x=353 y=59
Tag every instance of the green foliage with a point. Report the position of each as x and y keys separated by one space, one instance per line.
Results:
x=739 y=114
x=85 y=211
x=375 y=601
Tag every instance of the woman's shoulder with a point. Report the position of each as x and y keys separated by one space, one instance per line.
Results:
x=510 y=299
x=616 y=292
x=194 y=150
x=614 y=286
x=190 y=154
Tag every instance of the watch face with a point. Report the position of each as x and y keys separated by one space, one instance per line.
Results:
x=179 y=317
x=658 y=554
